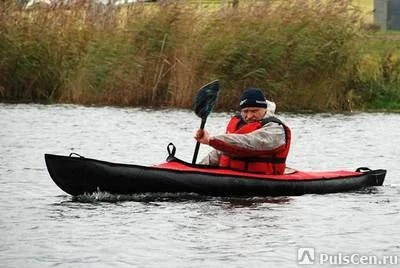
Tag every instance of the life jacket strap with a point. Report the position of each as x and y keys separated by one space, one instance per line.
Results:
x=272 y=160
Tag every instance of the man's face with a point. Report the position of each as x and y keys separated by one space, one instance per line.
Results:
x=253 y=114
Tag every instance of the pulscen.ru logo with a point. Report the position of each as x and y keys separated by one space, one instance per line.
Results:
x=308 y=256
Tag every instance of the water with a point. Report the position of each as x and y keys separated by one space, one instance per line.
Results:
x=41 y=226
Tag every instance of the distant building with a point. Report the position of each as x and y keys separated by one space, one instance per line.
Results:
x=387 y=14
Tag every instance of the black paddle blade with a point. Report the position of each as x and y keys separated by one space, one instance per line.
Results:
x=205 y=99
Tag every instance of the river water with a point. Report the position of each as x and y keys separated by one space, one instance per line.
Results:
x=41 y=226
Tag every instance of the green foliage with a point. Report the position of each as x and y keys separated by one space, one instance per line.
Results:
x=297 y=50
x=307 y=55
x=30 y=70
x=376 y=77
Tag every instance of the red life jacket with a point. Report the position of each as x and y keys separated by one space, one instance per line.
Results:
x=267 y=162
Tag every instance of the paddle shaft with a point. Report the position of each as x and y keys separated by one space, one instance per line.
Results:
x=196 y=150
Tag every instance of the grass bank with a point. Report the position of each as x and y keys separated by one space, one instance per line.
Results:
x=308 y=55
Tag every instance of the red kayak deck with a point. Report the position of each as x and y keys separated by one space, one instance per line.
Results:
x=297 y=175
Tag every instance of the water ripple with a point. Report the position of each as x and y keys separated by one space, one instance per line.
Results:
x=41 y=226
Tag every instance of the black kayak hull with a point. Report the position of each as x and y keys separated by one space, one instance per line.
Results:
x=78 y=175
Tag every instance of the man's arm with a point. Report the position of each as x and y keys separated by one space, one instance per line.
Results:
x=267 y=138
x=212 y=159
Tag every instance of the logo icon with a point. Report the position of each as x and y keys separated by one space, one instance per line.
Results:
x=242 y=102
x=306 y=256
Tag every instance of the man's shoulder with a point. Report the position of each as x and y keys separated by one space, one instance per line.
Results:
x=271 y=119
x=237 y=115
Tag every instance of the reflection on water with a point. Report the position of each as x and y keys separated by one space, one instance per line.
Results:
x=176 y=197
x=145 y=197
x=41 y=226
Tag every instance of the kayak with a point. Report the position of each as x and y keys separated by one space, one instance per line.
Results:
x=77 y=175
x=80 y=175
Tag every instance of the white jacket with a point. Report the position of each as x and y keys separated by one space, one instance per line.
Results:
x=269 y=137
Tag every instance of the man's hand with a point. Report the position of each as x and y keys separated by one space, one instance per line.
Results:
x=202 y=136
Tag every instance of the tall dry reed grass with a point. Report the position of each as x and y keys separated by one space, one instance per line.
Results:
x=308 y=55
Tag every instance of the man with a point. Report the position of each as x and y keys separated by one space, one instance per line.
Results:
x=255 y=140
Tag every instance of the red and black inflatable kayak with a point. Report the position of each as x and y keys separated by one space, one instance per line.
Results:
x=80 y=175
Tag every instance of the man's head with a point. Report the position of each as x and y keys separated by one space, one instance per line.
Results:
x=253 y=105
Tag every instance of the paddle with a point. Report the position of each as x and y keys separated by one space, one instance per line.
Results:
x=204 y=103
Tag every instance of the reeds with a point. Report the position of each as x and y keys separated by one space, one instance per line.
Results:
x=308 y=55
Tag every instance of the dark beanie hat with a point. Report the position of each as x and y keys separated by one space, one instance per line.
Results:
x=252 y=97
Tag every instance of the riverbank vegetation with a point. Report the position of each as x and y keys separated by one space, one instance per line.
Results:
x=307 y=55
